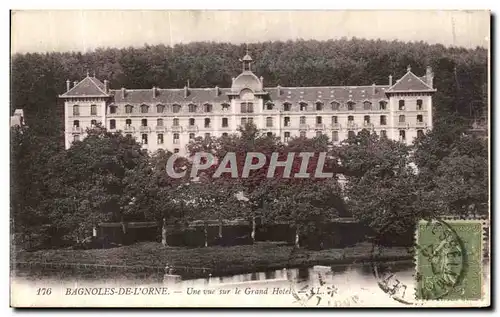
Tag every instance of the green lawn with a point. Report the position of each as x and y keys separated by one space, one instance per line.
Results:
x=219 y=260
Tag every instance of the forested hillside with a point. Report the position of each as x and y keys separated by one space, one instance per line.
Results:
x=460 y=74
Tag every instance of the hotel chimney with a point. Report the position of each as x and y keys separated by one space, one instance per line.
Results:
x=429 y=76
x=373 y=89
x=390 y=80
x=123 y=93
x=106 y=86
x=68 y=85
x=216 y=91
x=186 y=91
x=75 y=83
x=278 y=89
x=154 y=92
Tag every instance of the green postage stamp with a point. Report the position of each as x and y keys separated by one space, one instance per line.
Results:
x=449 y=260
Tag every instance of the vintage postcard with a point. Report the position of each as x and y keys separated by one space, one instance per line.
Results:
x=250 y=159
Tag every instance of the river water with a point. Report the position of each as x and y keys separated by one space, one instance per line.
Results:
x=352 y=285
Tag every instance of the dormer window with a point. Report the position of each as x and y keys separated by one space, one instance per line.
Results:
x=128 y=109
x=207 y=107
x=367 y=105
x=144 y=109
x=225 y=107
x=383 y=105
x=350 y=106
x=176 y=108
x=112 y=109
x=160 y=108
x=192 y=108
x=335 y=106
x=319 y=106
x=303 y=106
x=287 y=106
x=269 y=106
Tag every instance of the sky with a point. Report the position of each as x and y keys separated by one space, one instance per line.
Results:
x=85 y=30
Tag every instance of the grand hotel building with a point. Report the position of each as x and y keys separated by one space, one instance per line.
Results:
x=170 y=118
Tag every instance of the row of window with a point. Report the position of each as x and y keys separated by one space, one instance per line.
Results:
x=335 y=136
x=247 y=107
x=244 y=121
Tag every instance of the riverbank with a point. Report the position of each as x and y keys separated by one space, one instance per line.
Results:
x=190 y=262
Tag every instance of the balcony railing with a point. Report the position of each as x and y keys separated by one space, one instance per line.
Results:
x=303 y=126
x=207 y=126
x=421 y=124
x=226 y=127
x=319 y=126
x=368 y=125
x=192 y=128
x=144 y=128
x=160 y=128
x=176 y=128
x=287 y=124
x=402 y=124
x=351 y=125
x=77 y=130
x=129 y=128
x=335 y=126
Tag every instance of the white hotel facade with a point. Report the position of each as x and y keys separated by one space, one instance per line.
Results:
x=170 y=118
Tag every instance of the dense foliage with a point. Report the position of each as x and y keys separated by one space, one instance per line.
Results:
x=59 y=195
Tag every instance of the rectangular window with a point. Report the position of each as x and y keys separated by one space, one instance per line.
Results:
x=383 y=105
x=144 y=139
x=367 y=105
x=335 y=120
x=383 y=120
x=176 y=122
x=225 y=122
x=207 y=123
x=335 y=136
x=243 y=122
x=176 y=138
x=159 y=122
x=207 y=135
x=319 y=120
x=93 y=123
x=224 y=134
x=367 y=119
x=176 y=150
x=402 y=135
x=269 y=122
x=246 y=107
x=302 y=120
x=383 y=133
x=191 y=136
x=350 y=119
x=402 y=118
x=302 y=134
x=318 y=133
x=76 y=110
x=401 y=105
x=420 y=104
x=191 y=122
x=112 y=124
x=128 y=123
x=144 y=109
x=128 y=109
x=112 y=109
x=287 y=121
x=287 y=107
x=287 y=136
x=351 y=134
x=420 y=118
x=93 y=110
x=160 y=138
x=420 y=133
x=144 y=122
x=76 y=137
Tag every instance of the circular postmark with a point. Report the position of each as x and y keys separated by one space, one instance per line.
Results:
x=439 y=263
